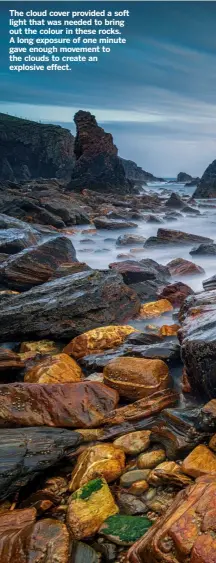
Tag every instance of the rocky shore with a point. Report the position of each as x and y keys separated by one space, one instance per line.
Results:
x=107 y=363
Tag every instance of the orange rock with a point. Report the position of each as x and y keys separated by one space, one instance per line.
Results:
x=138 y=488
x=199 y=462
x=168 y=472
x=155 y=308
x=169 y=330
x=97 y=340
x=104 y=460
x=39 y=346
x=135 y=378
x=179 y=536
x=212 y=443
x=148 y=460
x=134 y=442
x=54 y=369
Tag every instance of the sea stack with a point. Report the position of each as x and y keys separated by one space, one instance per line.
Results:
x=97 y=166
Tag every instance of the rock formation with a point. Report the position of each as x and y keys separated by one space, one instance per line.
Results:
x=207 y=185
x=136 y=174
x=98 y=166
x=183 y=177
x=32 y=150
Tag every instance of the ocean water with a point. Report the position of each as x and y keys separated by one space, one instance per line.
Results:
x=100 y=252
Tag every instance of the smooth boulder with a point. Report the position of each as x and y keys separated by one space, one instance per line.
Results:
x=135 y=378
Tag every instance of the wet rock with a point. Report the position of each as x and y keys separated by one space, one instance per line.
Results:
x=135 y=378
x=169 y=473
x=178 y=430
x=176 y=293
x=27 y=453
x=199 y=462
x=204 y=250
x=169 y=330
x=15 y=528
x=105 y=223
x=175 y=201
x=153 y=219
x=69 y=306
x=181 y=267
x=166 y=236
x=69 y=268
x=129 y=504
x=144 y=338
x=97 y=340
x=155 y=308
x=89 y=507
x=134 y=476
x=134 y=272
x=124 y=530
x=10 y=360
x=198 y=342
x=150 y=459
x=138 y=488
x=54 y=369
x=49 y=539
x=184 y=177
x=83 y=404
x=14 y=240
x=162 y=499
x=210 y=283
x=130 y=239
x=102 y=460
x=36 y=265
x=97 y=165
x=134 y=442
x=82 y=553
x=107 y=549
x=207 y=186
x=181 y=533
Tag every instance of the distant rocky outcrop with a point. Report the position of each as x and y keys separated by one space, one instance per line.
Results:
x=98 y=166
x=183 y=177
x=31 y=150
x=207 y=185
x=136 y=174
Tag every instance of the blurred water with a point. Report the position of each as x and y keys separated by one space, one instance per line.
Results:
x=100 y=252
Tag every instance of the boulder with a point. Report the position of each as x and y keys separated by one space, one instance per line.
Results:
x=125 y=240
x=68 y=306
x=210 y=283
x=151 y=459
x=200 y=461
x=176 y=293
x=204 y=250
x=182 y=267
x=169 y=473
x=197 y=337
x=54 y=369
x=10 y=360
x=14 y=240
x=72 y=405
x=101 y=460
x=89 y=507
x=145 y=270
x=135 y=378
x=175 y=201
x=185 y=533
x=36 y=265
x=27 y=452
x=97 y=340
x=183 y=177
x=97 y=164
x=134 y=442
x=166 y=236
x=155 y=309
x=106 y=223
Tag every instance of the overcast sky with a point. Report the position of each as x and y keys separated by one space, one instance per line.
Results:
x=156 y=95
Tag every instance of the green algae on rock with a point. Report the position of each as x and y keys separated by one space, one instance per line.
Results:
x=125 y=530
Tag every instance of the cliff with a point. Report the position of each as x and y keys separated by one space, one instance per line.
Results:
x=207 y=185
x=136 y=174
x=31 y=150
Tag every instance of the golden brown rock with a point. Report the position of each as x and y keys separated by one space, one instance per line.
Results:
x=89 y=507
x=99 y=339
x=135 y=378
x=168 y=472
x=155 y=308
x=71 y=405
x=48 y=542
x=134 y=442
x=55 y=369
x=148 y=460
x=39 y=346
x=212 y=443
x=169 y=330
x=9 y=360
x=199 y=462
x=138 y=488
x=104 y=460
x=15 y=527
x=181 y=534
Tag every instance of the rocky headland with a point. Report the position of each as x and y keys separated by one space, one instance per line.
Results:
x=107 y=357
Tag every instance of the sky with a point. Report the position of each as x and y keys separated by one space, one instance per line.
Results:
x=156 y=94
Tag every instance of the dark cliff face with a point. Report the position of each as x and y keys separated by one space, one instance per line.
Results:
x=97 y=166
x=207 y=185
x=32 y=150
x=184 y=177
x=137 y=174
